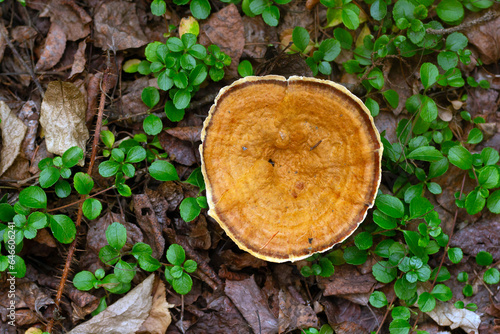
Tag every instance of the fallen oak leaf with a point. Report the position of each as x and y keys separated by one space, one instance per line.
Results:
x=13 y=131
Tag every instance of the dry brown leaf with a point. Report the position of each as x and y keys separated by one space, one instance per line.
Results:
x=79 y=60
x=55 y=44
x=63 y=117
x=225 y=29
x=3 y=43
x=248 y=298
x=69 y=16
x=29 y=115
x=446 y=314
x=347 y=280
x=13 y=131
x=23 y=34
x=159 y=318
x=125 y=316
x=178 y=150
x=187 y=133
x=485 y=37
x=117 y=27
x=146 y=218
x=293 y=314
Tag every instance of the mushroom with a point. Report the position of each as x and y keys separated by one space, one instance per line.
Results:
x=291 y=166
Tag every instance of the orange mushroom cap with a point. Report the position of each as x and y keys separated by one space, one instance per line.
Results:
x=291 y=166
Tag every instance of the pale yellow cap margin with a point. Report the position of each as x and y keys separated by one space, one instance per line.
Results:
x=210 y=201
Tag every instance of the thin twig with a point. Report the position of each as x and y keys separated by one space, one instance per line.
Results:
x=72 y=248
x=20 y=58
x=466 y=25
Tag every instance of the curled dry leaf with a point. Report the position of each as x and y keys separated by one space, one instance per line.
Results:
x=68 y=15
x=55 y=44
x=63 y=117
x=126 y=315
x=116 y=26
x=446 y=314
x=79 y=60
x=13 y=131
x=159 y=318
x=29 y=115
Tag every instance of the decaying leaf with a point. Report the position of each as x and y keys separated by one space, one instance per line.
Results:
x=3 y=44
x=117 y=27
x=13 y=131
x=126 y=315
x=248 y=298
x=485 y=37
x=293 y=314
x=55 y=44
x=79 y=60
x=446 y=314
x=159 y=318
x=68 y=15
x=63 y=117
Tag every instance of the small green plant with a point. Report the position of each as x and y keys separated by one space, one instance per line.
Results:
x=124 y=271
x=270 y=13
x=199 y=8
x=325 y=329
x=190 y=207
x=180 y=66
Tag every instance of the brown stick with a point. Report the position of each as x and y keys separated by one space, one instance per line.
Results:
x=72 y=248
x=485 y=18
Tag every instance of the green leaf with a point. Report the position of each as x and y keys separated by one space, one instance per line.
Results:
x=426 y=302
x=378 y=10
x=484 y=258
x=189 y=209
x=420 y=206
x=37 y=220
x=72 y=156
x=271 y=15
x=494 y=202
x=475 y=136
x=399 y=326
x=474 y=202
x=429 y=111
x=124 y=271
x=108 y=168
x=173 y=114
x=83 y=183
x=150 y=96
x=84 y=280
x=490 y=156
x=438 y=168
x=460 y=157
x=384 y=221
x=450 y=11
x=6 y=212
x=190 y=266
x=300 y=37
x=257 y=6
x=164 y=83
x=376 y=78
x=198 y=51
x=182 y=98
x=384 y=272
x=148 y=263
x=455 y=255
x=139 y=249
x=245 y=68
x=176 y=254
x=491 y=276
x=116 y=235
x=350 y=19
x=447 y=60
x=158 y=7
x=49 y=176
x=353 y=255
x=202 y=202
x=442 y=292
x=363 y=240
x=400 y=312
x=428 y=74
x=63 y=228
x=488 y=177
x=152 y=125
x=344 y=37
x=196 y=179
x=162 y=170
x=411 y=238
x=183 y=284
x=109 y=255
x=404 y=289
x=391 y=96
x=390 y=205
x=180 y=80
x=378 y=299
x=136 y=154
x=200 y=9
x=33 y=197
x=456 y=41
x=372 y=106
x=175 y=44
x=91 y=208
